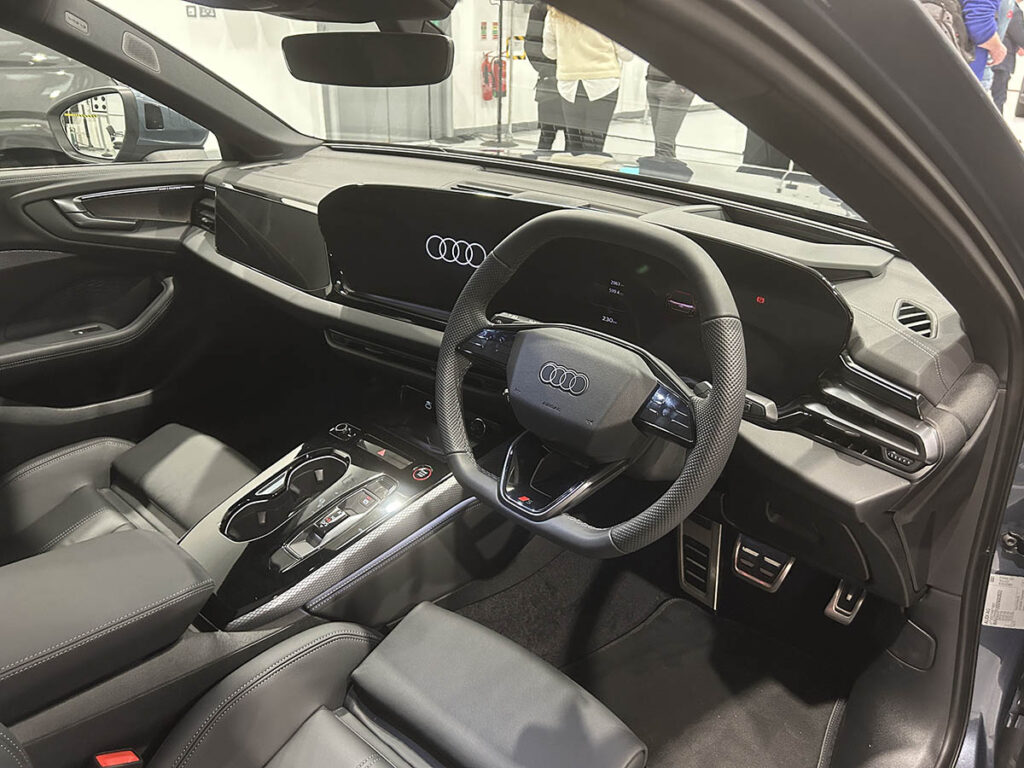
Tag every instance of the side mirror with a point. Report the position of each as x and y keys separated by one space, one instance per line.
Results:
x=97 y=125
x=101 y=125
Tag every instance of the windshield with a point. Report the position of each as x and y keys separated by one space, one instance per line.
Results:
x=527 y=83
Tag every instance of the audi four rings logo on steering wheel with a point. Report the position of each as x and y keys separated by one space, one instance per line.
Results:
x=565 y=379
x=452 y=251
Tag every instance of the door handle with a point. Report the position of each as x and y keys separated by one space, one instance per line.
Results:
x=76 y=212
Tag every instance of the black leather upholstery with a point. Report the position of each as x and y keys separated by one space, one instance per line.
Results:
x=438 y=691
x=12 y=755
x=255 y=711
x=166 y=483
x=76 y=615
x=183 y=473
x=474 y=698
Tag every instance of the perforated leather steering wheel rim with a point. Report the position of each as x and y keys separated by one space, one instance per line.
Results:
x=717 y=416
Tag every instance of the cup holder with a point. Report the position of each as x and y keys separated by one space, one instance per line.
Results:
x=271 y=505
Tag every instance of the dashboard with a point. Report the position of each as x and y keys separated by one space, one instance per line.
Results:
x=848 y=406
x=410 y=251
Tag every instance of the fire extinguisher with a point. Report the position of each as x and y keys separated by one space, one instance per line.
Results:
x=487 y=78
x=500 y=75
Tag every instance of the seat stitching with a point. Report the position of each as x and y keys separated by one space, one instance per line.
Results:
x=103 y=629
x=28 y=470
x=358 y=736
x=206 y=727
x=19 y=754
x=75 y=527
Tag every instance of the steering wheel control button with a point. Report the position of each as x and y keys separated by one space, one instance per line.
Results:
x=345 y=431
x=681 y=302
x=491 y=344
x=422 y=473
x=760 y=564
x=669 y=414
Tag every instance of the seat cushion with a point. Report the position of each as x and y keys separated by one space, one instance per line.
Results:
x=440 y=690
x=167 y=482
x=184 y=473
x=54 y=497
x=255 y=711
x=475 y=699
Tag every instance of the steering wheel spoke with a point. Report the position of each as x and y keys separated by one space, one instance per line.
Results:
x=589 y=403
x=539 y=483
x=669 y=414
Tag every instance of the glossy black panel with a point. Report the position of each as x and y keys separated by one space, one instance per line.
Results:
x=279 y=240
x=411 y=251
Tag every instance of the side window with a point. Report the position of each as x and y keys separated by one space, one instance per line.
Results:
x=56 y=111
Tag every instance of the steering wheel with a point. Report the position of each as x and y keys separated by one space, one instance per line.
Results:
x=592 y=404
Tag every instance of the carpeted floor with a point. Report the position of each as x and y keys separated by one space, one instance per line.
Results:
x=703 y=691
x=570 y=607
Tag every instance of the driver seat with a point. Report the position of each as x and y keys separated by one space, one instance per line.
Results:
x=439 y=690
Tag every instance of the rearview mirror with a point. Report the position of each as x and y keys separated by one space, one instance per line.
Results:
x=369 y=59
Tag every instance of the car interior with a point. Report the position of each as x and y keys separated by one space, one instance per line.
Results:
x=344 y=454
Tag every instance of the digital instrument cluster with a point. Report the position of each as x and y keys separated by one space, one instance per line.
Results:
x=410 y=251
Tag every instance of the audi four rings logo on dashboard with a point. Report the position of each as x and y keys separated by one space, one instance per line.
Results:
x=565 y=379
x=452 y=251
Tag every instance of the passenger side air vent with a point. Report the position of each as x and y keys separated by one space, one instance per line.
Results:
x=846 y=420
x=917 y=319
x=204 y=211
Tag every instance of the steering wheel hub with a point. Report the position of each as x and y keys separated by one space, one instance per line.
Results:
x=579 y=393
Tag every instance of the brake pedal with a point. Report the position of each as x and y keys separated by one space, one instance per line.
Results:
x=761 y=565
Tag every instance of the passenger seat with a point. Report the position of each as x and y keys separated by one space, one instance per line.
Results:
x=168 y=482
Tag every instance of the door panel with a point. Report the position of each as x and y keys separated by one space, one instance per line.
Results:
x=95 y=318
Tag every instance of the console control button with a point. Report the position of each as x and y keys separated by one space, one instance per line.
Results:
x=346 y=431
x=326 y=522
x=422 y=472
x=669 y=414
x=388 y=455
x=382 y=486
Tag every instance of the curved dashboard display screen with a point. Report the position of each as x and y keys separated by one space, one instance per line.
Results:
x=412 y=250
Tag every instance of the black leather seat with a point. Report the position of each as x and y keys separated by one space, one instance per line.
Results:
x=438 y=691
x=167 y=482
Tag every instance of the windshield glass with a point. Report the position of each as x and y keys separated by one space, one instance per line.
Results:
x=527 y=83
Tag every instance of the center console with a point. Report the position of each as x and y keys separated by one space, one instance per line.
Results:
x=324 y=510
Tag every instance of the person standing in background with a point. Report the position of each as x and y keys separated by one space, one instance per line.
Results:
x=982 y=26
x=669 y=102
x=1014 y=42
x=587 y=70
x=549 y=103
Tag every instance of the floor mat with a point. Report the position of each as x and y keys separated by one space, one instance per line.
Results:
x=702 y=691
x=570 y=607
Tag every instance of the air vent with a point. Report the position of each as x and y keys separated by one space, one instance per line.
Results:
x=484 y=189
x=204 y=211
x=917 y=319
